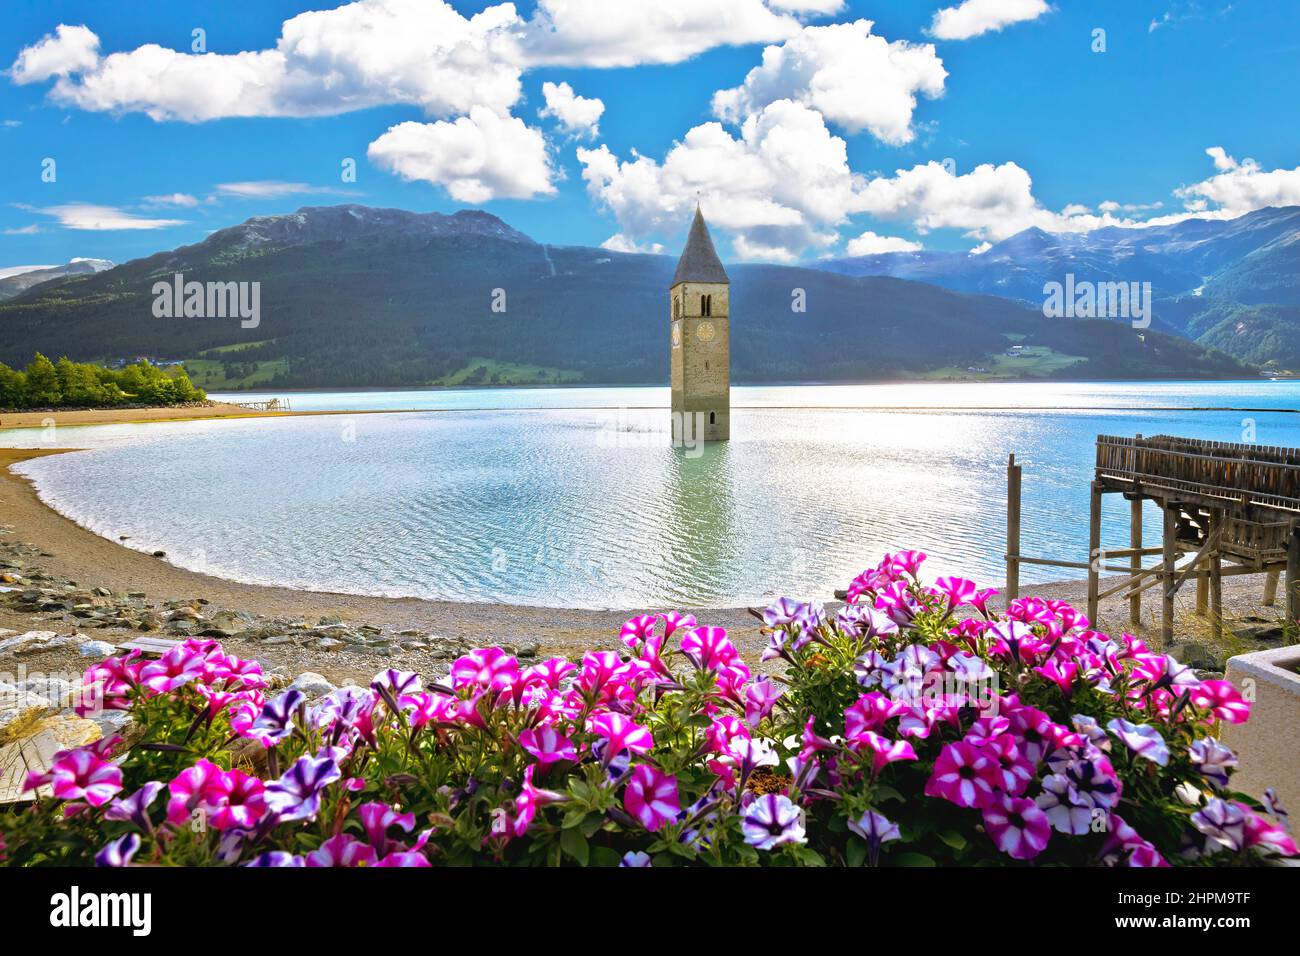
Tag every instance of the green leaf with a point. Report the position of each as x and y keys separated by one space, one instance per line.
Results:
x=855 y=854
x=913 y=859
x=575 y=846
x=953 y=839
x=604 y=856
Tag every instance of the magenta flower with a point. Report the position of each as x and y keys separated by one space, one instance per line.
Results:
x=1017 y=827
x=119 y=852
x=1143 y=739
x=397 y=683
x=235 y=800
x=812 y=742
x=547 y=745
x=188 y=788
x=760 y=697
x=80 y=774
x=1011 y=773
x=378 y=818
x=489 y=667
x=407 y=859
x=963 y=775
x=869 y=713
x=176 y=668
x=958 y=591
x=549 y=673
x=529 y=800
x=884 y=751
x=708 y=648
x=342 y=850
x=772 y=820
x=275 y=722
x=1223 y=700
x=651 y=797
x=621 y=734
x=1270 y=837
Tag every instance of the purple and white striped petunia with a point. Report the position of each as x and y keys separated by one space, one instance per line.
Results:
x=771 y=820
x=276 y=858
x=1143 y=739
x=378 y=819
x=1213 y=759
x=876 y=829
x=135 y=808
x=119 y=852
x=635 y=858
x=1223 y=823
x=275 y=722
x=297 y=794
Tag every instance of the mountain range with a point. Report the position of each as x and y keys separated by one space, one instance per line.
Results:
x=355 y=296
x=1229 y=284
x=16 y=282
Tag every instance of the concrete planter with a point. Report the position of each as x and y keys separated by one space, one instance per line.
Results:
x=1267 y=743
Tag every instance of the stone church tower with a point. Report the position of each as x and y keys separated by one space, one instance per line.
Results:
x=701 y=339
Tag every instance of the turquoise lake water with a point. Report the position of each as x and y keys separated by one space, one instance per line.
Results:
x=574 y=497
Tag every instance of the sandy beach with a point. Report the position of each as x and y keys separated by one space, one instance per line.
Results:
x=66 y=552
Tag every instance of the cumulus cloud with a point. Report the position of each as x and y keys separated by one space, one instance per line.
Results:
x=870 y=244
x=853 y=77
x=476 y=158
x=807 y=7
x=69 y=49
x=975 y=17
x=1240 y=187
x=621 y=243
x=783 y=184
x=578 y=115
x=362 y=54
x=95 y=218
x=631 y=32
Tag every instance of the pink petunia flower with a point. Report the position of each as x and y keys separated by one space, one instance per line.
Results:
x=80 y=774
x=963 y=775
x=621 y=734
x=547 y=745
x=1017 y=827
x=1223 y=700
x=651 y=797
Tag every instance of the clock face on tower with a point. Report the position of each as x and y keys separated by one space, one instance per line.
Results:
x=704 y=331
x=677 y=334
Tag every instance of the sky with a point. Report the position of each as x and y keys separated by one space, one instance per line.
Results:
x=804 y=128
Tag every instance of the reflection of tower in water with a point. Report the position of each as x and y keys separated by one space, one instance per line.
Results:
x=701 y=534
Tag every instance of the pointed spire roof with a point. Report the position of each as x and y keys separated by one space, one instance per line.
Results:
x=699 y=261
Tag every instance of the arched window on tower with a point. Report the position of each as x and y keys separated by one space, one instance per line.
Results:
x=713 y=418
x=677 y=307
x=706 y=305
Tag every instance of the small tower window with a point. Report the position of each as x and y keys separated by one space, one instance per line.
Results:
x=706 y=305
x=713 y=418
x=677 y=307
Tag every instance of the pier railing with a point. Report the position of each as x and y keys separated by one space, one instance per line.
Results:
x=271 y=405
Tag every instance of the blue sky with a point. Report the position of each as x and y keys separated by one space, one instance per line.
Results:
x=1015 y=124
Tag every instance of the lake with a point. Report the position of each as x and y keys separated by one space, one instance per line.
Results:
x=575 y=497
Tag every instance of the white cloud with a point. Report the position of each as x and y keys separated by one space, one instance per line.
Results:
x=9 y=271
x=870 y=244
x=362 y=54
x=980 y=249
x=1240 y=187
x=850 y=75
x=630 y=32
x=88 y=216
x=67 y=50
x=477 y=158
x=579 y=115
x=29 y=230
x=621 y=243
x=269 y=189
x=807 y=7
x=184 y=200
x=779 y=187
x=975 y=17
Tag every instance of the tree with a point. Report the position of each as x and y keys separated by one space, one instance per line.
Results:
x=42 y=383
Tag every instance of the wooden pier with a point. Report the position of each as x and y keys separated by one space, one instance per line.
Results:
x=1234 y=507
x=271 y=405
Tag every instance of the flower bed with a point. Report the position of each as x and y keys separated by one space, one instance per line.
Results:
x=901 y=732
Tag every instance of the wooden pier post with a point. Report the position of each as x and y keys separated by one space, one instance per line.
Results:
x=1168 y=575
x=1214 y=530
x=1293 y=576
x=1135 y=562
x=1094 y=552
x=1013 y=529
x=1270 y=587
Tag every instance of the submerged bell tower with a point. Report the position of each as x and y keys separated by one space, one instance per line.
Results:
x=700 y=335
